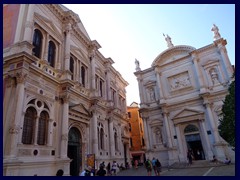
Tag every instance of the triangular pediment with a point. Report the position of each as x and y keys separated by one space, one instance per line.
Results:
x=78 y=51
x=156 y=122
x=187 y=113
x=48 y=24
x=79 y=108
x=150 y=83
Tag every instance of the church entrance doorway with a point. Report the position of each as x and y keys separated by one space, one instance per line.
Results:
x=194 y=142
x=74 y=150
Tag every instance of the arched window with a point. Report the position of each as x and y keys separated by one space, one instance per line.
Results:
x=101 y=88
x=71 y=67
x=43 y=128
x=51 y=53
x=100 y=136
x=37 y=43
x=115 y=139
x=190 y=128
x=83 y=76
x=29 y=125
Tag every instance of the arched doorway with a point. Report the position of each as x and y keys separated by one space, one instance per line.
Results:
x=194 y=142
x=74 y=150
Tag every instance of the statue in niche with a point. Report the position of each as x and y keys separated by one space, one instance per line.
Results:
x=151 y=94
x=158 y=136
x=137 y=65
x=214 y=76
x=216 y=32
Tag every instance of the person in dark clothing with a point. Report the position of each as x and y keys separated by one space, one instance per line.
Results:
x=189 y=156
x=109 y=169
x=60 y=172
x=158 y=167
x=101 y=171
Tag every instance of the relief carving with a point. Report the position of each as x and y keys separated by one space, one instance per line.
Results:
x=180 y=81
x=14 y=129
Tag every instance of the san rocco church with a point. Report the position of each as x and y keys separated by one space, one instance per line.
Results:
x=181 y=96
x=62 y=99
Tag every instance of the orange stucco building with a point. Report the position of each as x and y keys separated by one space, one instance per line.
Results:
x=137 y=143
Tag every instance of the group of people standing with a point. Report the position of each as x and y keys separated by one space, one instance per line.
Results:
x=155 y=165
x=103 y=170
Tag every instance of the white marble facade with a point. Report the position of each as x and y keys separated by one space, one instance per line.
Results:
x=181 y=97
x=62 y=98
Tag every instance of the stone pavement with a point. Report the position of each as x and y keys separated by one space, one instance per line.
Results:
x=203 y=168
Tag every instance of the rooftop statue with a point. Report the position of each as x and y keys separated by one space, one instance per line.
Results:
x=215 y=31
x=169 y=41
x=137 y=65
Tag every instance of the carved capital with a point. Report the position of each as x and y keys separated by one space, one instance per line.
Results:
x=65 y=97
x=21 y=77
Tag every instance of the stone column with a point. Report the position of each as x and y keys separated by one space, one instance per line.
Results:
x=166 y=125
x=94 y=131
x=211 y=121
x=160 y=86
x=64 y=132
x=16 y=118
x=226 y=61
x=92 y=60
x=46 y=47
x=182 y=154
x=140 y=86
x=108 y=90
x=207 y=146
x=199 y=73
x=28 y=32
x=36 y=130
x=146 y=133
x=68 y=29
x=111 y=137
x=50 y=130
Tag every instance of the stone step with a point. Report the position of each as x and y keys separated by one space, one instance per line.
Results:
x=196 y=163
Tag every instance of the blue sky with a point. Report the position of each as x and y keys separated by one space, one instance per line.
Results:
x=129 y=31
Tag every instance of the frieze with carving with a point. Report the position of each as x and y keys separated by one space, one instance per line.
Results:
x=179 y=81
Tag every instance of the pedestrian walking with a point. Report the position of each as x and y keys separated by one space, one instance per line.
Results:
x=101 y=171
x=148 y=166
x=86 y=171
x=109 y=169
x=154 y=165
x=158 y=167
x=114 y=167
x=136 y=163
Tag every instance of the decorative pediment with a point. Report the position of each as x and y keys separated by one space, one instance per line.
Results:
x=47 y=23
x=188 y=114
x=150 y=83
x=155 y=122
x=78 y=51
x=78 y=109
x=172 y=54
